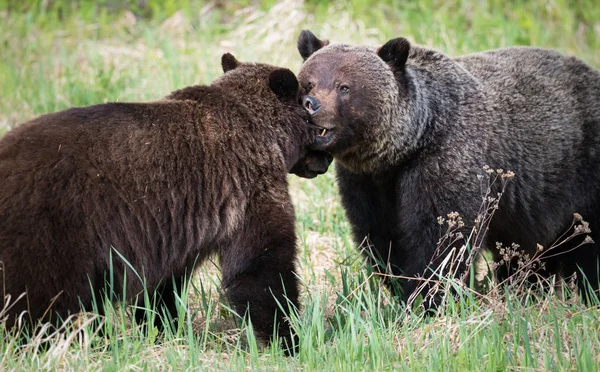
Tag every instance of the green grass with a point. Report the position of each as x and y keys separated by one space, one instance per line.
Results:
x=58 y=54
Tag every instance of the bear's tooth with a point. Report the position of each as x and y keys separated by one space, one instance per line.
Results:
x=323 y=132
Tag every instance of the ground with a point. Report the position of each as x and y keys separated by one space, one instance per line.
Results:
x=55 y=56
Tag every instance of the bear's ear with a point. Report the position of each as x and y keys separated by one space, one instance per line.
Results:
x=228 y=62
x=395 y=53
x=284 y=84
x=308 y=43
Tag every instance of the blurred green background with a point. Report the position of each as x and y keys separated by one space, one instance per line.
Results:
x=60 y=53
x=55 y=54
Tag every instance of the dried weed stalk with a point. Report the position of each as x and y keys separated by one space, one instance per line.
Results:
x=460 y=252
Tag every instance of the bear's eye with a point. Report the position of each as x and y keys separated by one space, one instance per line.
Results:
x=344 y=89
x=310 y=85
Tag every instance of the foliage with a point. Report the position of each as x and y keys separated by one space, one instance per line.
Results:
x=58 y=53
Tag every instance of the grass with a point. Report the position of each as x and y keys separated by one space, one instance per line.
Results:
x=58 y=54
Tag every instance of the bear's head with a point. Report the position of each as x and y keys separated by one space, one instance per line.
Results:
x=275 y=91
x=355 y=95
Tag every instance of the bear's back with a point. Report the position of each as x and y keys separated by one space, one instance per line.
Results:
x=541 y=119
x=541 y=81
x=127 y=175
x=539 y=97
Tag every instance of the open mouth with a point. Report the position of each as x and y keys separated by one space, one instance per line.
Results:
x=325 y=136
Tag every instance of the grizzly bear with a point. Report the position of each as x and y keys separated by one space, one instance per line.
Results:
x=410 y=129
x=159 y=187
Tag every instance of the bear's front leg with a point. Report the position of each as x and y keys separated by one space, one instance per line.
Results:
x=433 y=259
x=258 y=268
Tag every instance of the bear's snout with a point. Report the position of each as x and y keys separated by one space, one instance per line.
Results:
x=311 y=104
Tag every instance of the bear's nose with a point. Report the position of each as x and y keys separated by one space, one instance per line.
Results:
x=311 y=104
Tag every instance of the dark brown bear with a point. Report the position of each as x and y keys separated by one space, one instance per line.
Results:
x=411 y=128
x=165 y=185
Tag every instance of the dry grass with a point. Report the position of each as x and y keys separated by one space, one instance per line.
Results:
x=348 y=321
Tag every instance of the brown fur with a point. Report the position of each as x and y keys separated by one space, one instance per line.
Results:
x=166 y=184
x=413 y=128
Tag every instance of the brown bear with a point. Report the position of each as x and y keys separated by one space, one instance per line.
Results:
x=411 y=128
x=161 y=185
